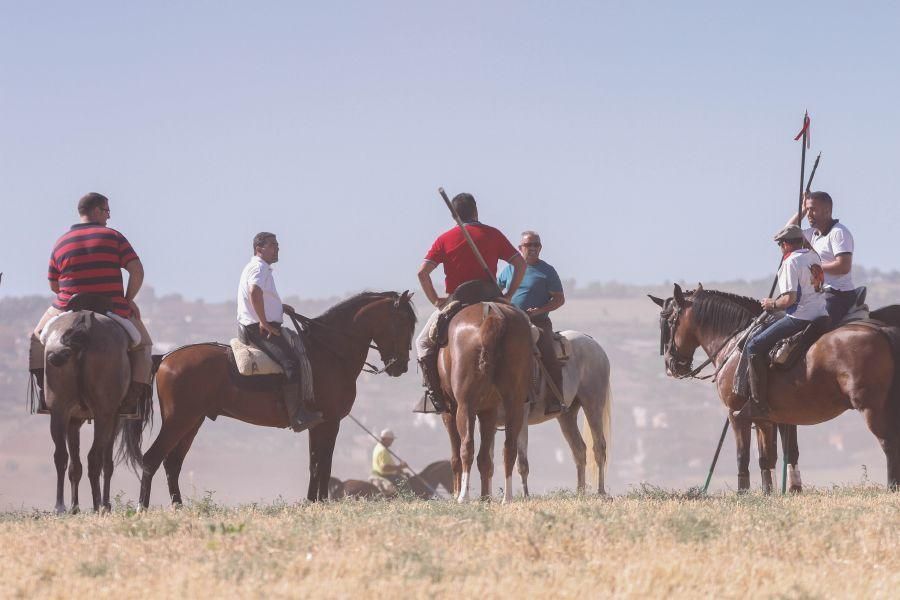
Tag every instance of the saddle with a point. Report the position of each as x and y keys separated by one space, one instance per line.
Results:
x=250 y=361
x=789 y=351
x=467 y=294
x=92 y=302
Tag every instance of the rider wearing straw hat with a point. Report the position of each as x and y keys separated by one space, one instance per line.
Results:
x=387 y=473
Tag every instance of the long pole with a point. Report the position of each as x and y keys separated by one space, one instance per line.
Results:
x=715 y=459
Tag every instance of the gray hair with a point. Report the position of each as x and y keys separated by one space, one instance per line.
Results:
x=530 y=233
x=261 y=239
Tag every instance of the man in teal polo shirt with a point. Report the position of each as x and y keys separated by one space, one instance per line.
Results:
x=540 y=293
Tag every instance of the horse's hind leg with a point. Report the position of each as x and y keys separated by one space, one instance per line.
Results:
x=104 y=427
x=593 y=415
x=522 y=458
x=487 y=424
x=455 y=462
x=767 y=445
x=108 y=467
x=175 y=459
x=791 y=451
x=58 y=427
x=465 y=425
x=170 y=434
x=568 y=423
x=73 y=439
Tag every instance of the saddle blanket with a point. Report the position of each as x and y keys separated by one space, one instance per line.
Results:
x=250 y=360
x=133 y=334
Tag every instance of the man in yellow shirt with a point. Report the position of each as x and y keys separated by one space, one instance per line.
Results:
x=386 y=471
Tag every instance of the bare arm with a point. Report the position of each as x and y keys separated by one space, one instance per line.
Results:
x=135 y=278
x=841 y=264
x=256 y=300
x=782 y=302
x=557 y=299
x=428 y=285
x=519 y=266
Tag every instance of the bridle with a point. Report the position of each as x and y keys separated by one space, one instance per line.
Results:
x=304 y=323
x=678 y=360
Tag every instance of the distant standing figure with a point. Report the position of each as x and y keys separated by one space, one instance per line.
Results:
x=387 y=473
x=540 y=293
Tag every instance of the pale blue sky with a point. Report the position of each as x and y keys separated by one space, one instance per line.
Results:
x=645 y=141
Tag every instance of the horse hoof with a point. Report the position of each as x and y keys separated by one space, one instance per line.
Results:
x=75 y=510
x=60 y=509
x=796 y=489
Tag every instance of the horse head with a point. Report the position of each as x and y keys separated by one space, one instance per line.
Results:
x=678 y=333
x=393 y=332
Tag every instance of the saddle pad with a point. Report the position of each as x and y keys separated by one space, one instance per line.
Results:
x=253 y=361
x=133 y=334
x=563 y=347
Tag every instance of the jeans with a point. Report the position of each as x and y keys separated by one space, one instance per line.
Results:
x=277 y=347
x=763 y=342
x=838 y=304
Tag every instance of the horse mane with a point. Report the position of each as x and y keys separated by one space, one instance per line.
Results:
x=357 y=302
x=723 y=312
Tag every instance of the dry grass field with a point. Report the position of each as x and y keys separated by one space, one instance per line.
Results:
x=843 y=542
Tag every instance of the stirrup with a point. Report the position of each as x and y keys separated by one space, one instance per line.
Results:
x=751 y=411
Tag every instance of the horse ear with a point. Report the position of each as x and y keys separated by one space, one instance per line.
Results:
x=658 y=301
x=699 y=287
x=678 y=295
x=403 y=299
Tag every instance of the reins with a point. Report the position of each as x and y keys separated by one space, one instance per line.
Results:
x=302 y=323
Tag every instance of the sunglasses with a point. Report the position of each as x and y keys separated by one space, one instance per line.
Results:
x=531 y=245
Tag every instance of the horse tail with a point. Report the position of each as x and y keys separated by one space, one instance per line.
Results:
x=131 y=432
x=492 y=329
x=607 y=424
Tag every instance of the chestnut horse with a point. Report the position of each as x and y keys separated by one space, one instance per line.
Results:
x=853 y=366
x=766 y=431
x=195 y=382
x=486 y=364
x=424 y=485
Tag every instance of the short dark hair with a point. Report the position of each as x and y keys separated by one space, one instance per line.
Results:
x=261 y=239
x=822 y=197
x=465 y=207
x=90 y=201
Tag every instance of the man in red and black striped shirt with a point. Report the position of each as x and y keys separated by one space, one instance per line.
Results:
x=88 y=259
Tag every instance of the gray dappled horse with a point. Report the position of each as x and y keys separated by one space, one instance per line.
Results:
x=585 y=386
x=87 y=375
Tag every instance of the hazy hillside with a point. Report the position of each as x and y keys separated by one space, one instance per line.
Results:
x=664 y=430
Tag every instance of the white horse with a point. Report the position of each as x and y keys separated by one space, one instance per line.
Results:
x=585 y=386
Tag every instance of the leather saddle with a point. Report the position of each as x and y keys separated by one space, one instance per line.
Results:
x=467 y=294
x=92 y=302
x=790 y=350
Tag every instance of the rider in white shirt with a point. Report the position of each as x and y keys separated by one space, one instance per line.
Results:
x=801 y=297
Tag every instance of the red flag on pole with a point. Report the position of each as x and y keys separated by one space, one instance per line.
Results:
x=805 y=130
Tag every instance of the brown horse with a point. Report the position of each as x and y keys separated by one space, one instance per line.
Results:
x=853 y=366
x=766 y=431
x=195 y=382
x=87 y=374
x=425 y=485
x=486 y=364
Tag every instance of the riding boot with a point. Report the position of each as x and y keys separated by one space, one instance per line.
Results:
x=299 y=417
x=431 y=381
x=37 y=381
x=552 y=367
x=133 y=405
x=757 y=407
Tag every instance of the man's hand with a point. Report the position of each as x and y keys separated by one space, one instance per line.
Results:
x=441 y=302
x=534 y=312
x=288 y=309
x=767 y=304
x=403 y=465
x=267 y=329
x=134 y=309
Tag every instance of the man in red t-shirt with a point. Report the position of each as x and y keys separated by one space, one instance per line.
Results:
x=460 y=266
x=88 y=259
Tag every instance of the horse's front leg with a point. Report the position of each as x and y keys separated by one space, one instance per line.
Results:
x=487 y=422
x=58 y=431
x=73 y=439
x=522 y=453
x=321 y=449
x=741 y=431
x=767 y=445
x=791 y=452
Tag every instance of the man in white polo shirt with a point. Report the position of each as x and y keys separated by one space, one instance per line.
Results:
x=260 y=314
x=833 y=242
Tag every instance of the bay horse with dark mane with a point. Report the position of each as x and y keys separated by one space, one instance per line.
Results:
x=195 y=382
x=852 y=367
x=746 y=309
x=487 y=363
